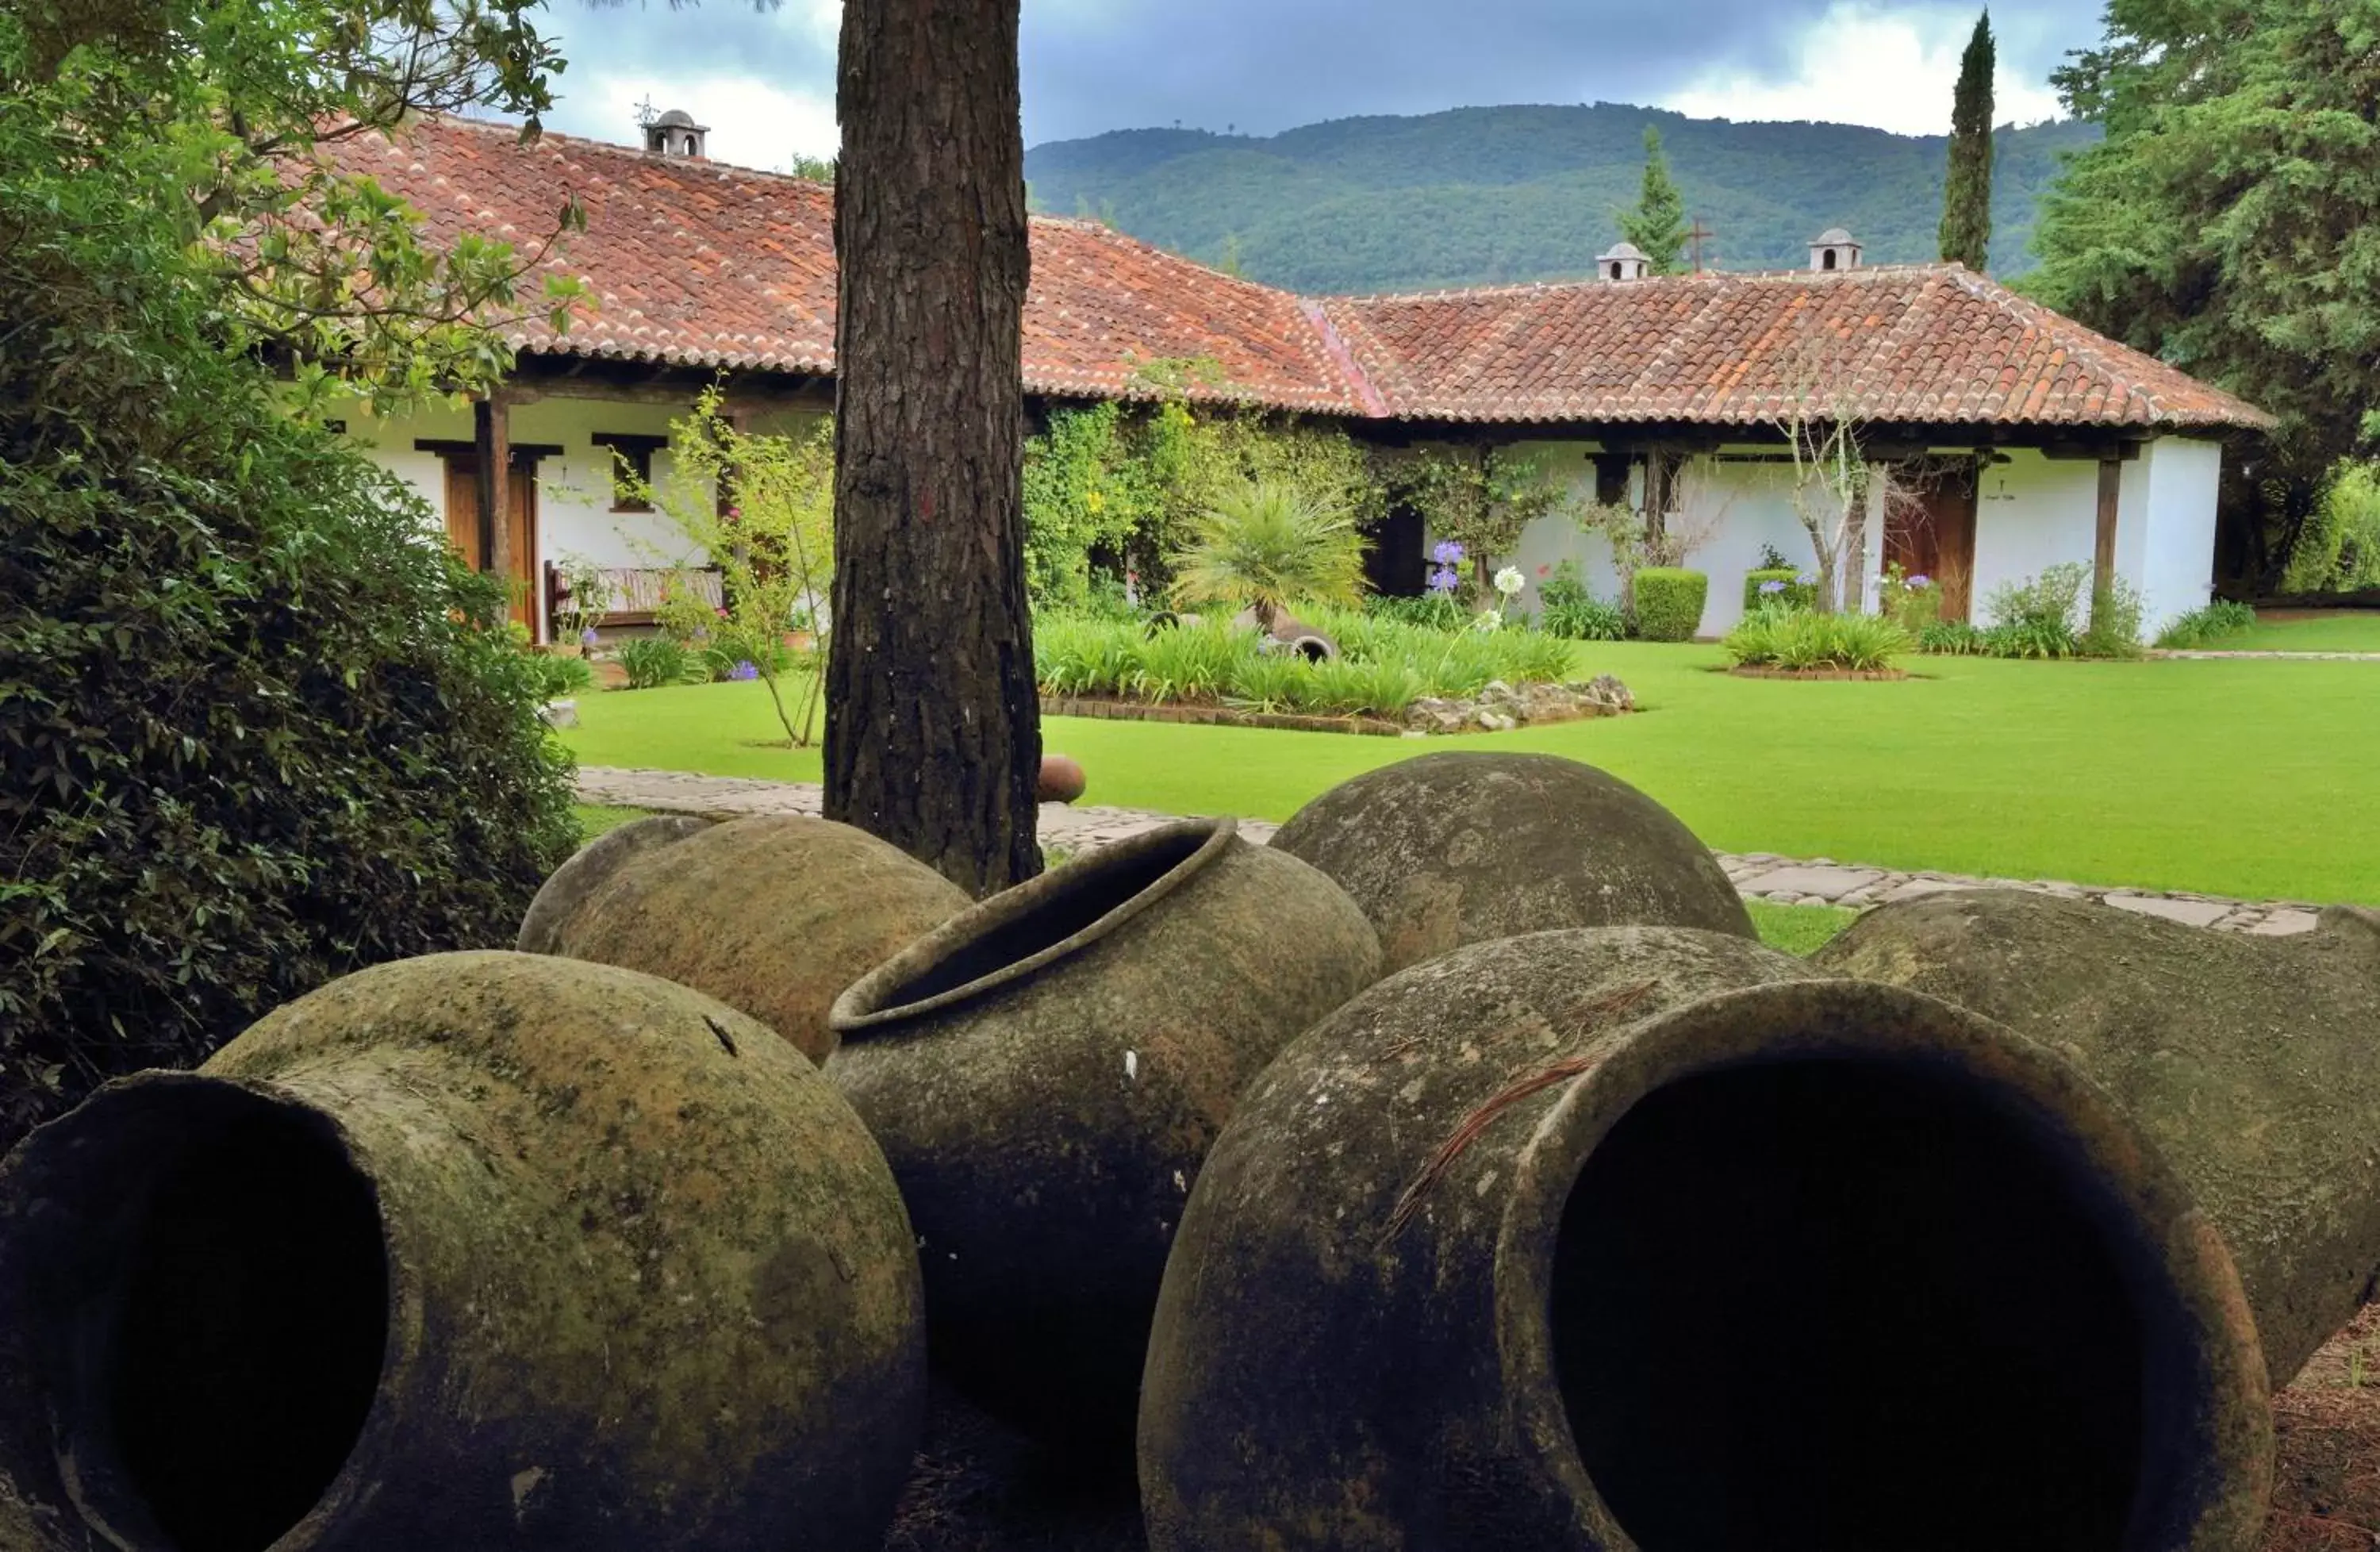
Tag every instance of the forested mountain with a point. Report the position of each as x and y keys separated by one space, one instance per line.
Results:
x=1482 y=196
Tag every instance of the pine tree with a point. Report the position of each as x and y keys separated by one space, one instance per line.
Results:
x=1657 y=224
x=1967 y=201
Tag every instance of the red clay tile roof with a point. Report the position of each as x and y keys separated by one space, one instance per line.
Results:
x=1927 y=344
x=696 y=263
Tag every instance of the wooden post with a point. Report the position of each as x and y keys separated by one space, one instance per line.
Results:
x=492 y=436
x=2103 y=561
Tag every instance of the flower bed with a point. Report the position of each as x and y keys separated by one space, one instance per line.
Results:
x=1775 y=642
x=1382 y=669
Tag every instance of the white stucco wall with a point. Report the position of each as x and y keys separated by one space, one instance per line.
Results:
x=2176 y=566
x=2032 y=513
x=575 y=516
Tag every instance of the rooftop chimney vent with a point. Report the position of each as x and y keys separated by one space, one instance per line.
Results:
x=675 y=133
x=1626 y=261
x=1834 y=249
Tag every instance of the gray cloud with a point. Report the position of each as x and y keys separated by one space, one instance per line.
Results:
x=1268 y=64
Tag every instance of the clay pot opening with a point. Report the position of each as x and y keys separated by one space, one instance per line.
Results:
x=1020 y=930
x=204 y=1297
x=1855 y=1302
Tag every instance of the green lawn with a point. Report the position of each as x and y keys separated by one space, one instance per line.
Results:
x=2234 y=777
x=2335 y=631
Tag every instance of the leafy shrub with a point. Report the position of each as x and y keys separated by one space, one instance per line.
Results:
x=1189 y=662
x=654 y=661
x=1567 y=609
x=1270 y=682
x=1804 y=640
x=1270 y=548
x=559 y=677
x=2115 y=628
x=1779 y=587
x=1953 y=638
x=2035 y=617
x=1911 y=602
x=2219 y=621
x=1670 y=603
x=255 y=730
x=1430 y=611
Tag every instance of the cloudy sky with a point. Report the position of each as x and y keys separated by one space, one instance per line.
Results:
x=765 y=82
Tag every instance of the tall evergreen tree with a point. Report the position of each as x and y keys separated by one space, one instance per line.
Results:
x=1967 y=202
x=1657 y=224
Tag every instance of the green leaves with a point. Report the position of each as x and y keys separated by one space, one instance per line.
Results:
x=1270 y=547
x=1657 y=224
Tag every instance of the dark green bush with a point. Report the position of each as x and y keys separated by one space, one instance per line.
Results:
x=1567 y=609
x=2219 y=621
x=651 y=661
x=254 y=730
x=1670 y=603
x=1793 y=589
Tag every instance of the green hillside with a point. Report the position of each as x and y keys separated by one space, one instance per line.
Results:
x=1481 y=196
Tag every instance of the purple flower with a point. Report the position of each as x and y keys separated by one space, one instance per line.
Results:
x=1805 y=581
x=1446 y=553
x=1443 y=580
x=748 y=669
x=1919 y=581
x=588 y=637
x=1772 y=586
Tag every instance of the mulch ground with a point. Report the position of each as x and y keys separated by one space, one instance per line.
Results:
x=983 y=1488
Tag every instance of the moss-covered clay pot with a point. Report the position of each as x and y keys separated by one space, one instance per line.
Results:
x=2254 y=1064
x=1046 y=1073
x=1640 y=1237
x=773 y=915
x=1461 y=848
x=593 y=866
x=486 y=1251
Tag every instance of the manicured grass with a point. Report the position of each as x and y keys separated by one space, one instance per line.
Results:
x=2232 y=777
x=595 y=818
x=1801 y=931
x=2333 y=631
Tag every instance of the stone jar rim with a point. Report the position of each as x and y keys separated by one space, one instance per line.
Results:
x=864 y=1007
x=2229 y=1432
x=109 y=1497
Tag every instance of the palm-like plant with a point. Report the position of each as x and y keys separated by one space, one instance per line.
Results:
x=1268 y=546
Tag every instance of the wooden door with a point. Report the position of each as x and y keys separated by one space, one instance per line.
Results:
x=1934 y=534
x=464 y=531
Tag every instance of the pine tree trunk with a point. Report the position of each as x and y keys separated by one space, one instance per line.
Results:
x=933 y=737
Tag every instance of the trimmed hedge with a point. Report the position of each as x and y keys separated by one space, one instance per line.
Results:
x=1670 y=603
x=1792 y=594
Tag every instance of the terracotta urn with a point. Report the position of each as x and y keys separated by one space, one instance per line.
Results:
x=1460 y=848
x=1046 y=1073
x=1062 y=779
x=2251 y=1064
x=1644 y=1238
x=590 y=867
x=774 y=914
x=482 y=1250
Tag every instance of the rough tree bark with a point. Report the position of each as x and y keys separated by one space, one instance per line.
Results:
x=933 y=736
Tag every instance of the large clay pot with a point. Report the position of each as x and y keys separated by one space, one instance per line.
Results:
x=2253 y=1064
x=590 y=867
x=773 y=915
x=486 y=1251
x=1461 y=848
x=1046 y=1073
x=1640 y=1237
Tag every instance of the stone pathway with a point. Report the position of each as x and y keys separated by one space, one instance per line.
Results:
x=2281 y=657
x=1756 y=875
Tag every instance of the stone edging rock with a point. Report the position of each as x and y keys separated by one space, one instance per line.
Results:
x=1756 y=875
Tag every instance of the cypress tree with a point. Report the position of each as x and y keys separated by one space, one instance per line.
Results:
x=1967 y=200
x=1657 y=224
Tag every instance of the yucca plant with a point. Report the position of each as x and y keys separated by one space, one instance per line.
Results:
x=1270 y=547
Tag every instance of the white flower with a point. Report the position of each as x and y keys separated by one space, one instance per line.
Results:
x=1489 y=620
x=1509 y=581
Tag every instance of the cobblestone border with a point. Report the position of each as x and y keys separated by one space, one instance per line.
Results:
x=1756 y=875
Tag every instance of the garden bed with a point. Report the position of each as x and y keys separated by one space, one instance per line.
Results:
x=1499 y=708
x=1882 y=674
x=1213 y=716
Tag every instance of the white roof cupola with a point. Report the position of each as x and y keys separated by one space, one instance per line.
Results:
x=675 y=133
x=1624 y=263
x=1834 y=249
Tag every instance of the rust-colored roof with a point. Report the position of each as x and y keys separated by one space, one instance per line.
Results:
x=698 y=263
x=1929 y=344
